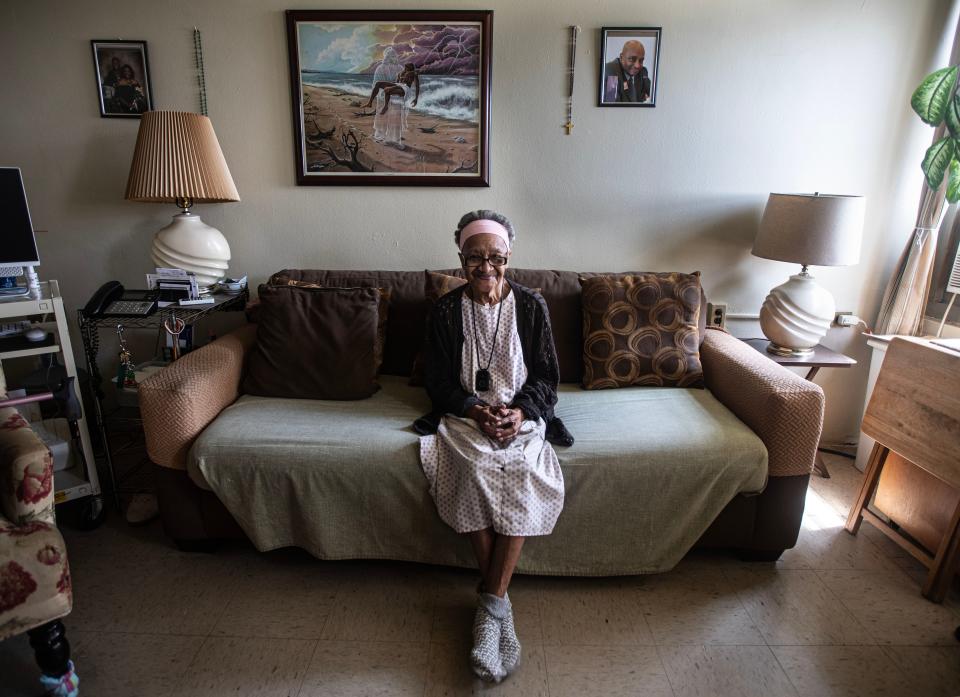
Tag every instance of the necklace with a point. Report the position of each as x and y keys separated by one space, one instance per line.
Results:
x=481 y=381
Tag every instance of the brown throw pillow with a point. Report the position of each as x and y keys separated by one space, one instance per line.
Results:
x=315 y=343
x=641 y=329
x=281 y=279
x=437 y=285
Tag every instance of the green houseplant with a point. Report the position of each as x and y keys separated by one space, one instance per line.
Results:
x=936 y=102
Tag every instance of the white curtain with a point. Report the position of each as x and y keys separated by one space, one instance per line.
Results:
x=905 y=297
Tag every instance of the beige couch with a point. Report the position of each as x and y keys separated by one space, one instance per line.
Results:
x=654 y=471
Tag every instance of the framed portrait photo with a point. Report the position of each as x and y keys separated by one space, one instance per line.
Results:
x=629 y=59
x=392 y=97
x=123 y=80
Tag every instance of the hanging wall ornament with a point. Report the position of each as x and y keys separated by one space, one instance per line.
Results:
x=201 y=77
x=574 y=30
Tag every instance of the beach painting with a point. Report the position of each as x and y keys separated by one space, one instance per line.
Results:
x=391 y=97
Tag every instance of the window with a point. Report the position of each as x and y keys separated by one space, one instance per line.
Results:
x=942 y=265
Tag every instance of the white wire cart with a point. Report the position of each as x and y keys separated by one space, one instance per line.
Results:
x=78 y=478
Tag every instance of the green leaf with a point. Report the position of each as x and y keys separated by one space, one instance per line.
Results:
x=932 y=96
x=936 y=160
x=952 y=116
x=953 y=182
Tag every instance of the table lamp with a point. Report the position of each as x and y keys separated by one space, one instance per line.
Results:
x=178 y=160
x=811 y=230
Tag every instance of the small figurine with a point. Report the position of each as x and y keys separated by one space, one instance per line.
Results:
x=126 y=376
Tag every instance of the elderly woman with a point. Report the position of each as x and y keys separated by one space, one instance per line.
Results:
x=491 y=372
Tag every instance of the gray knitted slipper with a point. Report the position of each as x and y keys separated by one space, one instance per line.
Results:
x=485 y=655
x=509 y=644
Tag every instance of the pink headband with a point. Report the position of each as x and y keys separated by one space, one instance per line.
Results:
x=484 y=226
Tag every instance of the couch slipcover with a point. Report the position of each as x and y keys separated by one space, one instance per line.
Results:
x=651 y=469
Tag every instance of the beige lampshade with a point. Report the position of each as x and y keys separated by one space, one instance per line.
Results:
x=811 y=229
x=177 y=156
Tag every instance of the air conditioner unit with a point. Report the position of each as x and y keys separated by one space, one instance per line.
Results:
x=953 y=287
x=953 y=284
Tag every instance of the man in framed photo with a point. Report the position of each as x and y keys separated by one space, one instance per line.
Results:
x=625 y=79
x=122 y=78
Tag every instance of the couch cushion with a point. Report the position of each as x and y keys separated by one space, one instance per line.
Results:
x=408 y=310
x=315 y=343
x=651 y=468
x=561 y=291
x=405 y=319
x=437 y=285
x=641 y=329
x=383 y=308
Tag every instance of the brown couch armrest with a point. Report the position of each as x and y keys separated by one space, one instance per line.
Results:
x=178 y=402
x=782 y=408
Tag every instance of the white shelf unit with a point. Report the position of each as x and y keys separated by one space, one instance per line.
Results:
x=79 y=480
x=23 y=353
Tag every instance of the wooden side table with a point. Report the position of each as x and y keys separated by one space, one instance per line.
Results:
x=822 y=357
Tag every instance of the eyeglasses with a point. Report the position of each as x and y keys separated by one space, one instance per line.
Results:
x=477 y=260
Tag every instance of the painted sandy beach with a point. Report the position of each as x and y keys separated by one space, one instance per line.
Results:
x=338 y=132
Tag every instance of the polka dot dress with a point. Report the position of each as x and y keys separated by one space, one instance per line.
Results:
x=517 y=489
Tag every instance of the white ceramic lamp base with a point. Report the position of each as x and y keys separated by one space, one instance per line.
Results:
x=190 y=244
x=796 y=315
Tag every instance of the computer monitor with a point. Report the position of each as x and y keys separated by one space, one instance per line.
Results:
x=19 y=246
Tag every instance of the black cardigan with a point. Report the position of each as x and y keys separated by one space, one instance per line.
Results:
x=444 y=350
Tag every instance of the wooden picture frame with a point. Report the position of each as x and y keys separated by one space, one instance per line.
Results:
x=123 y=78
x=426 y=78
x=629 y=62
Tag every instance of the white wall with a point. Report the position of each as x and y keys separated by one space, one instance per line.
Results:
x=754 y=96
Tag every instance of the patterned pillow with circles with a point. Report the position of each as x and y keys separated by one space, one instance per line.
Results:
x=641 y=329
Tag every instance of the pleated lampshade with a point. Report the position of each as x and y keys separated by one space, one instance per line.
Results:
x=177 y=156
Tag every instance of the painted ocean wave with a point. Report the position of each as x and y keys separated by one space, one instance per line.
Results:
x=442 y=96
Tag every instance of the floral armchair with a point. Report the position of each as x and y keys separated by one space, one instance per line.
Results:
x=35 y=588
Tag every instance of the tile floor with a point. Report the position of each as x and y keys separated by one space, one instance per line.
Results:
x=837 y=615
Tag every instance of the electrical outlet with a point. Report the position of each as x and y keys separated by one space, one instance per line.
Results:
x=717 y=315
x=846 y=319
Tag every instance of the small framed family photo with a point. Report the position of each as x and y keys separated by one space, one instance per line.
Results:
x=123 y=82
x=391 y=97
x=629 y=58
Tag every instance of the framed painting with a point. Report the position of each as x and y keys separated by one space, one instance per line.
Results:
x=629 y=59
x=123 y=80
x=398 y=97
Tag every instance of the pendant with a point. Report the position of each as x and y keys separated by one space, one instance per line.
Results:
x=482 y=380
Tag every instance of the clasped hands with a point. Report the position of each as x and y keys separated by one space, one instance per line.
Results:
x=501 y=423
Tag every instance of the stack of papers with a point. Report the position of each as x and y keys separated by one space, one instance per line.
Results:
x=179 y=282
